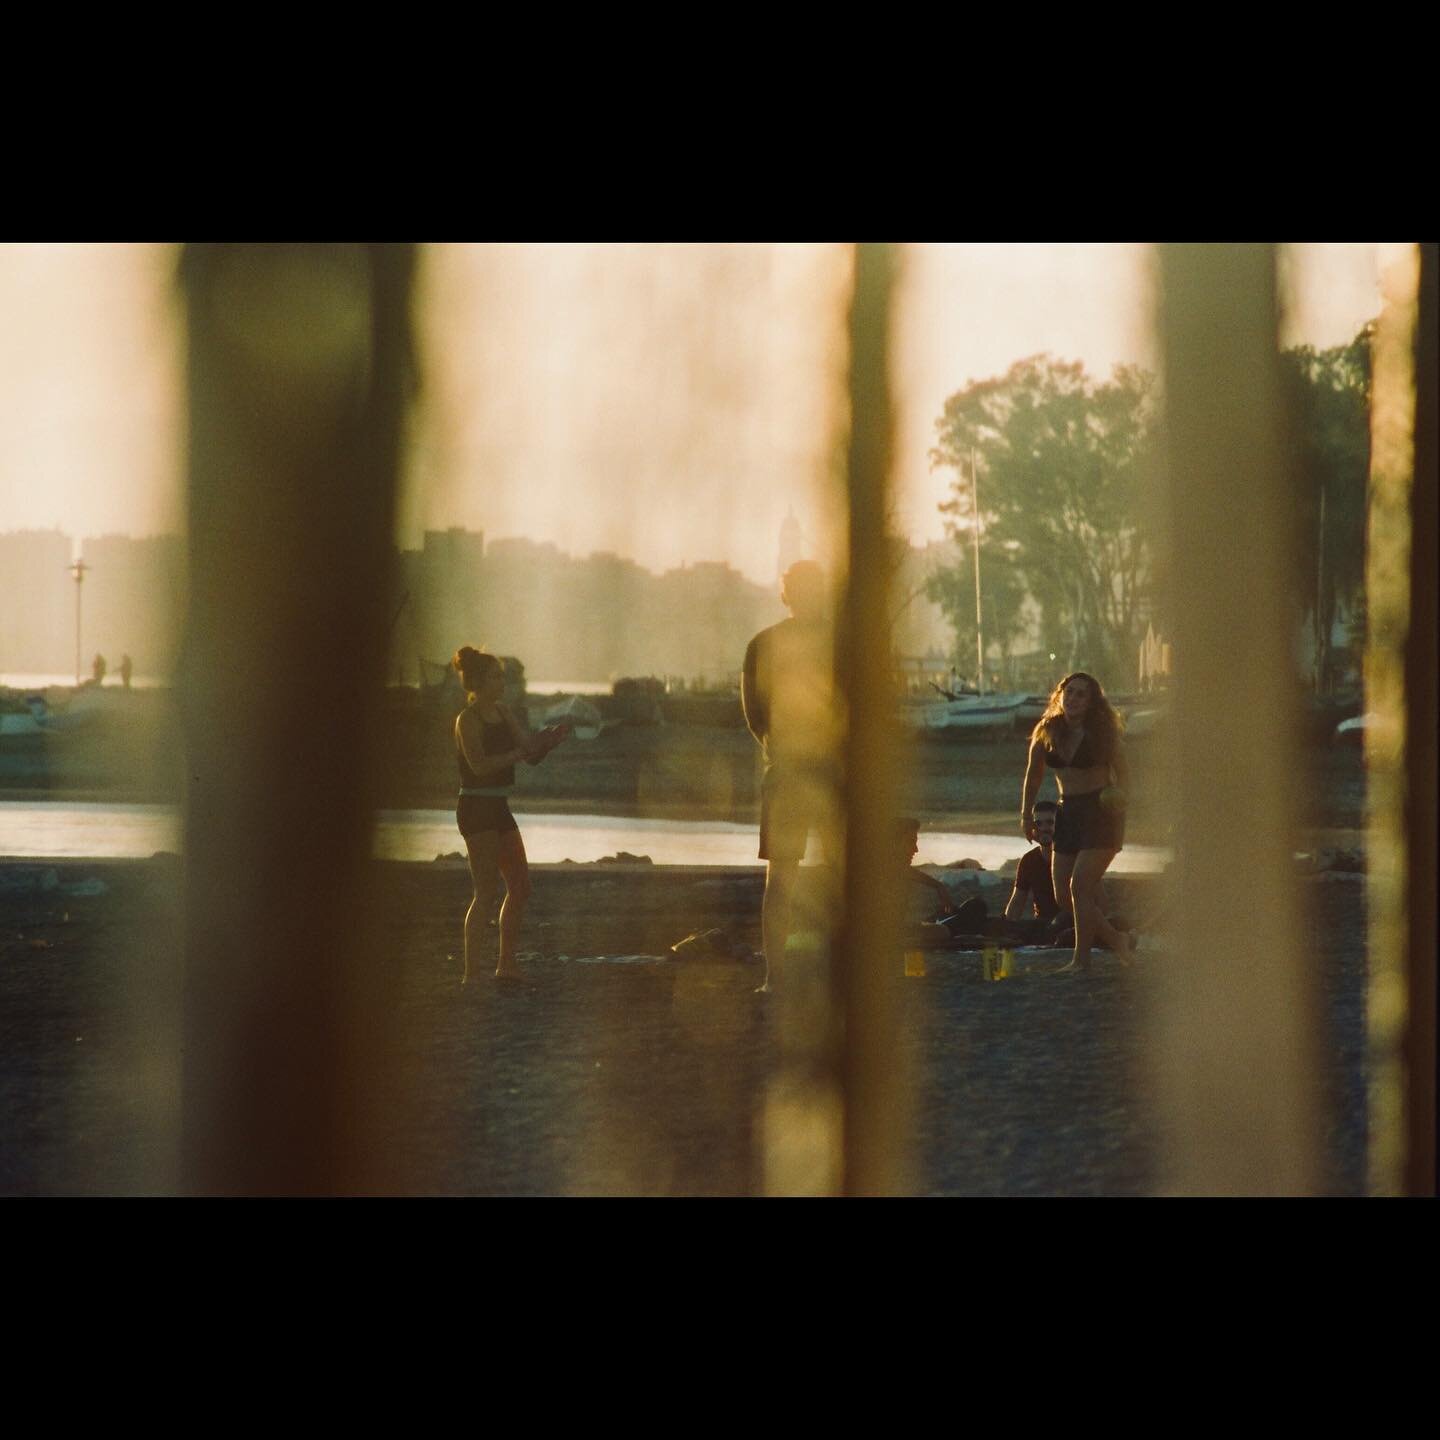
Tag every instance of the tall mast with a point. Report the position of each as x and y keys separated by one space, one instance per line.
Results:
x=975 y=531
x=1320 y=636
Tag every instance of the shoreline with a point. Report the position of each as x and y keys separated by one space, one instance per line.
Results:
x=965 y=821
x=1126 y=887
x=680 y=772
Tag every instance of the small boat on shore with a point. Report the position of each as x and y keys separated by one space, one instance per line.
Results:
x=1142 y=723
x=972 y=711
x=39 y=719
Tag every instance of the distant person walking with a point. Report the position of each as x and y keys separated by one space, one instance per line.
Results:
x=127 y=669
x=97 y=670
x=489 y=741
x=1078 y=737
x=786 y=691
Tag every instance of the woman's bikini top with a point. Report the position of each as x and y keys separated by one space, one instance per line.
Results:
x=1083 y=758
x=496 y=738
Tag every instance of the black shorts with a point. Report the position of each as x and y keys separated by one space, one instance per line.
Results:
x=474 y=813
x=1083 y=823
x=795 y=799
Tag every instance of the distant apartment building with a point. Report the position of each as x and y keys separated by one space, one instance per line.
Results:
x=435 y=600
x=614 y=612
x=37 y=602
x=712 y=611
x=564 y=618
x=448 y=585
x=528 y=606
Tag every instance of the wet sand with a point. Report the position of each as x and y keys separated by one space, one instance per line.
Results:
x=623 y=1075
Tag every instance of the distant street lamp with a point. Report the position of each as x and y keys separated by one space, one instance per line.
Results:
x=78 y=570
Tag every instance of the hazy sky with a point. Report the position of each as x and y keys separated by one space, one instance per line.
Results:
x=89 y=389
x=666 y=402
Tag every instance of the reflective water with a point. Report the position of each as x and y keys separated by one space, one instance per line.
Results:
x=61 y=829
x=105 y=831
x=567 y=687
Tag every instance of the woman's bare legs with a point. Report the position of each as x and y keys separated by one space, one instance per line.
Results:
x=1061 y=867
x=516 y=870
x=482 y=849
x=1090 y=921
x=1117 y=941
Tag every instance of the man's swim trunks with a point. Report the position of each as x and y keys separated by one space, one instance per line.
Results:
x=794 y=799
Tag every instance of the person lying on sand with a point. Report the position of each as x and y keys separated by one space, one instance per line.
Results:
x=934 y=921
x=927 y=901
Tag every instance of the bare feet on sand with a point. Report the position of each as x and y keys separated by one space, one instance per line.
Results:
x=508 y=972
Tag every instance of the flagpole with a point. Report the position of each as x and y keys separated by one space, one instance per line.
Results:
x=78 y=570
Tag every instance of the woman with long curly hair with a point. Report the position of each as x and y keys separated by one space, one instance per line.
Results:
x=1079 y=738
x=488 y=742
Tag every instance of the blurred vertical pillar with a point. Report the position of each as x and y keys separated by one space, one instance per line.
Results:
x=1234 y=1037
x=1424 y=728
x=867 y=955
x=298 y=359
x=1400 y=590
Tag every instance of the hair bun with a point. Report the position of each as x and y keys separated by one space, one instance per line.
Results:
x=474 y=665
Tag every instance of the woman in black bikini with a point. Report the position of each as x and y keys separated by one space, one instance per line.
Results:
x=488 y=742
x=1078 y=737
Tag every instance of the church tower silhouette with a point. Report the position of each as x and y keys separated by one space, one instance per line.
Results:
x=791 y=547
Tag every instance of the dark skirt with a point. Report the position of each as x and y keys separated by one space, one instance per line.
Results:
x=1083 y=823
x=474 y=813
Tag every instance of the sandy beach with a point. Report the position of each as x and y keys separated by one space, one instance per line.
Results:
x=617 y=1070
